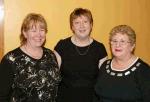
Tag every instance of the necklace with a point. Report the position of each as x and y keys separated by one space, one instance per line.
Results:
x=124 y=65
x=80 y=52
x=29 y=53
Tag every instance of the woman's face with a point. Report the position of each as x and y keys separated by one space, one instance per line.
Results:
x=82 y=27
x=121 y=46
x=35 y=36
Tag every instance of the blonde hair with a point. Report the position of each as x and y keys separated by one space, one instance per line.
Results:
x=30 y=21
x=124 y=29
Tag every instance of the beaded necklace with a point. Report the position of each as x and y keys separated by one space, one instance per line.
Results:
x=78 y=51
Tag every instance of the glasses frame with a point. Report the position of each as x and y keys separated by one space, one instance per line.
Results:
x=121 y=42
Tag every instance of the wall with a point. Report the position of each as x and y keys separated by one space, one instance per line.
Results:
x=106 y=13
x=1 y=28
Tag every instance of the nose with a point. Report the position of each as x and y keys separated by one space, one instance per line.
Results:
x=39 y=33
x=118 y=43
x=81 y=24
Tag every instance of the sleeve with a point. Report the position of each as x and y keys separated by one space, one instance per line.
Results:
x=5 y=80
x=57 y=76
x=96 y=97
x=144 y=81
x=103 y=51
x=59 y=47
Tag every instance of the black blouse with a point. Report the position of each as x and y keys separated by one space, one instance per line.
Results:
x=79 y=70
x=131 y=85
x=25 y=79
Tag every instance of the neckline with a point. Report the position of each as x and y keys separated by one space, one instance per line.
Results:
x=31 y=56
x=126 y=72
x=82 y=53
x=114 y=69
x=81 y=46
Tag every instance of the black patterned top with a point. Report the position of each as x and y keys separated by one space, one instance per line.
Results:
x=25 y=79
x=130 y=85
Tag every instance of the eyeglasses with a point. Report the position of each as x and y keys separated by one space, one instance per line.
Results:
x=122 y=42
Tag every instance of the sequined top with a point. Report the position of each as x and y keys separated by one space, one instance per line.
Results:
x=25 y=79
x=130 y=85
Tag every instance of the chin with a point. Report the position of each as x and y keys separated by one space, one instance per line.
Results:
x=39 y=45
x=84 y=36
x=117 y=55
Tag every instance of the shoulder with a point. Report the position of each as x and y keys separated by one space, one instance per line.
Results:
x=48 y=51
x=11 y=55
x=106 y=64
x=144 y=68
x=14 y=51
x=143 y=65
x=98 y=45
x=63 y=44
x=99 y=48
x=63 y=41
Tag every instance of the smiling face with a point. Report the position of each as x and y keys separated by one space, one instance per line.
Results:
x=81 y=27
x=36 y=35
x=121 y=46
x=33 y=30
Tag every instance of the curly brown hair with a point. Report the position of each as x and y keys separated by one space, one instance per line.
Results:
x=80 y=12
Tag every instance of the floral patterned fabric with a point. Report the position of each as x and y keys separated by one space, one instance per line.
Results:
x=31 y=80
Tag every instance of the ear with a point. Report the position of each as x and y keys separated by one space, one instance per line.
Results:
x=72 y=28
x=133 y=47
